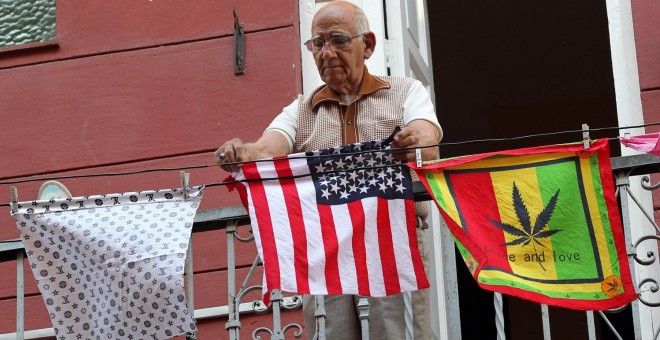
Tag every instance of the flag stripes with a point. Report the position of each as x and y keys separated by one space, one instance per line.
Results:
x=359 y=252
x=366 y=246
x=390 y=277
x=298 y=235
x=263 y=227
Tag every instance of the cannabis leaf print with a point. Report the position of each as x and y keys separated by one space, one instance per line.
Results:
x=526 y=233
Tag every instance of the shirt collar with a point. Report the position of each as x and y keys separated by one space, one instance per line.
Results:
x=369 y=85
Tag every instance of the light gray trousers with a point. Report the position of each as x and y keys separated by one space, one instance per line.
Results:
x=386 y=315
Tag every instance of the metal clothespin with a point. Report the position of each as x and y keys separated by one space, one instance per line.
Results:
x=14 y=199
x=586 y=140
x=185 y=180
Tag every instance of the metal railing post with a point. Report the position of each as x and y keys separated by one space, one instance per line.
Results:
x=319 y=314
x=363 y=309
x=622 y=183
x=276 y=297
x=499 y=315
x=545 y=316
x=20 y=296
x=408 y=315
x=591 y=325
x=190 y=289
x=233 y=326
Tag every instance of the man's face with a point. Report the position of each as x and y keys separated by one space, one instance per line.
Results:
x=341 y=70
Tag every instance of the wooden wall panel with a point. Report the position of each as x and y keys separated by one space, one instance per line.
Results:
x=96 y=27
x=8 y=282
x=135 y=85
x=36 y=315
x=647 y=41
x=651 y=108
x=144 y=104
x=210 y=251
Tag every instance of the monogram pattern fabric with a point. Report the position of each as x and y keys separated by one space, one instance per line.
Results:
x=111 y=266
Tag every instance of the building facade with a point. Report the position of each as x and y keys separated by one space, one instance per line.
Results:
x=125 y=86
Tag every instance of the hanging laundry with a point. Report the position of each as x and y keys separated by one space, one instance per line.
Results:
x=111 y=266
x=322 y=226
x=539 y=223
x=649 y=143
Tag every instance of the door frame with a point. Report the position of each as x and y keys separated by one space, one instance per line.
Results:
x=629 y=113
x=389 y=58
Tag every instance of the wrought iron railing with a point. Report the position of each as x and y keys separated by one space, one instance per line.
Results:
x=642 y=250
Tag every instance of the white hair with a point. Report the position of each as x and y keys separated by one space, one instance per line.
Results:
x=361 y=22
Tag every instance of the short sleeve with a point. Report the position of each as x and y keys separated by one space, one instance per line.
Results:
x=418 y=105
x=286 y=123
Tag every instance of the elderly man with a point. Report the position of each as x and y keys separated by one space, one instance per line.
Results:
x=352 y=106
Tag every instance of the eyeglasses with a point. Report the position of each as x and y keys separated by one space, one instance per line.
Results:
x=337 y=43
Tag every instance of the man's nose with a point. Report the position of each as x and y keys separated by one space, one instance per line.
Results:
x=327 y=48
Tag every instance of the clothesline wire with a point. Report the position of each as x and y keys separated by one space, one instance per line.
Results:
x=317 y=156
x=289 y=177
x=305 y=175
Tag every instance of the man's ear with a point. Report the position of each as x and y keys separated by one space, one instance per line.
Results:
x=369 y=40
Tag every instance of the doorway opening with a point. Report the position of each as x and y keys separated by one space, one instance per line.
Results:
x=511 y=69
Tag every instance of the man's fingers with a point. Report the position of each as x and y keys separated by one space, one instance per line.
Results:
x=230 y=152
x=406 y=137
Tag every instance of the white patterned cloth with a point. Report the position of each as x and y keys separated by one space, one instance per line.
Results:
x=111 y=266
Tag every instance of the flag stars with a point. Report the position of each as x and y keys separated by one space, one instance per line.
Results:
x=382 y=187
x=320 y=168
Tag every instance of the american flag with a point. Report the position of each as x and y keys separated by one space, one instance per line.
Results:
x=334 y=221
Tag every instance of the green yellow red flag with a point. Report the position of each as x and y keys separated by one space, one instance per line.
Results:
x=538 y=223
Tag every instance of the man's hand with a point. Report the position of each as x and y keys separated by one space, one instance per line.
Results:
x=232 y=151
x=271 y=144
x=417 y=133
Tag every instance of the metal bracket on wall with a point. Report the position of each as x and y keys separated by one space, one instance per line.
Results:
x=239 y=46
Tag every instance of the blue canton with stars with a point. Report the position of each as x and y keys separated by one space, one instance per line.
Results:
x=340 y=177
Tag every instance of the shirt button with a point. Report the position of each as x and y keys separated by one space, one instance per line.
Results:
x=350 y=122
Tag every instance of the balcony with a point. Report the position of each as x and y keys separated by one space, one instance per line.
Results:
x=277 y=321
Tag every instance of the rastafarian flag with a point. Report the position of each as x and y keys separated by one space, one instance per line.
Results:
x=539 y=223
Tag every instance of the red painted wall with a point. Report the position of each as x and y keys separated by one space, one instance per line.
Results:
x=136 y=85
x=647 y=41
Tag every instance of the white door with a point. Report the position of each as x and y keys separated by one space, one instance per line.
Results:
x=409 y=50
